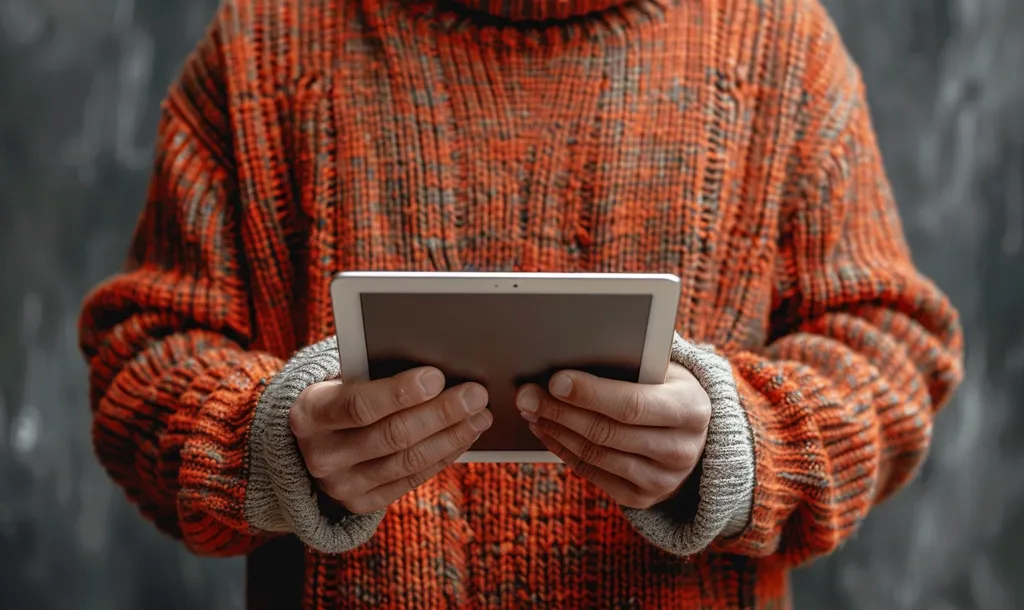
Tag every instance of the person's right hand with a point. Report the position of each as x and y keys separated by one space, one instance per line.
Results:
x=368 y=444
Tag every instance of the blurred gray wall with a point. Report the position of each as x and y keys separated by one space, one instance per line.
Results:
x=80 y=82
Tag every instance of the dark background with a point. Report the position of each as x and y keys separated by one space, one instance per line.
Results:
x=80 y=82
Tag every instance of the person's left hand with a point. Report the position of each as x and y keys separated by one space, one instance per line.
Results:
x=637 y=442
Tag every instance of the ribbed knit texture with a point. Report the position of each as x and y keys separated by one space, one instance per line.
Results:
x=725 y=488
x=725 y=141
x=280 y=496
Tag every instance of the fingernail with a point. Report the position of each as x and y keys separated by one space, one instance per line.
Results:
x=561 y=385
x=528 y=400
x=530 y=417
x=480 y=422
x=431 y=382
x=475 y=398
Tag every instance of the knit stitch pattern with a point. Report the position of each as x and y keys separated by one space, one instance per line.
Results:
x=725 y=141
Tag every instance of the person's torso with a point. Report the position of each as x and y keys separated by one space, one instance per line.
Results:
x=399 y=136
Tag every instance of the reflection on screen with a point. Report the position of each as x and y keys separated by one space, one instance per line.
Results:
x=503 y=341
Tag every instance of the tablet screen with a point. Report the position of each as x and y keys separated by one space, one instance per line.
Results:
x=503 y=341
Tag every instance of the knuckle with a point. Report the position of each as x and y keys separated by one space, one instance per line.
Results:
x=689 y=404
x=659 y=483
x=568 y=457
x=415 y=459
x=584 y=469
x=339 y=490
x=319 y=465
x=601 y=431
x=702 y=410
x=416 y=479
x=689 y=454
x=298 y=420
x=674 y=453
x=307 y=410
x=391 y=470
x=458 y=436
x=635 y=473
x=634 y=408
x=360 y=412
x=592 y=453
x=395 y=434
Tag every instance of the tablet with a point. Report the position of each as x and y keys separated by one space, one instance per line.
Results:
x=503 y=330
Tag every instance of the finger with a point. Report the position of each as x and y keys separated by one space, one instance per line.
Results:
x=419 y=457
x=621 y=490
x=653 y=442
x=642 y=472
x=338 y=451
x=635 y=404
x=402 y=431
x=334 y=405
x=385 y=495
x=325 y=455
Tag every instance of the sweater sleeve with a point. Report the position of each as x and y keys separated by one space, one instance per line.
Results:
x=187 y=418
x=835 y=414
x=172 y=384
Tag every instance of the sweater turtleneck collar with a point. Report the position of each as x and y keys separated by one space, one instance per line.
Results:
x=540 y=10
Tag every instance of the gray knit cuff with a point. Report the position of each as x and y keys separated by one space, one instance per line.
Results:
x=727 y=482
x=280 y=496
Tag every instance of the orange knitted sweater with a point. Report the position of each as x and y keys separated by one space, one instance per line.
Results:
x=725 y=141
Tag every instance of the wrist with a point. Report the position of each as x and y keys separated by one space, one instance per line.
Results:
x=715 y=501
x=282 y=495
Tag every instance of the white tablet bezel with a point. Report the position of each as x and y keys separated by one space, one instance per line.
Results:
x=348 y=286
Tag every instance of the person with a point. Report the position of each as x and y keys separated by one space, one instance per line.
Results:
x=728 y=143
